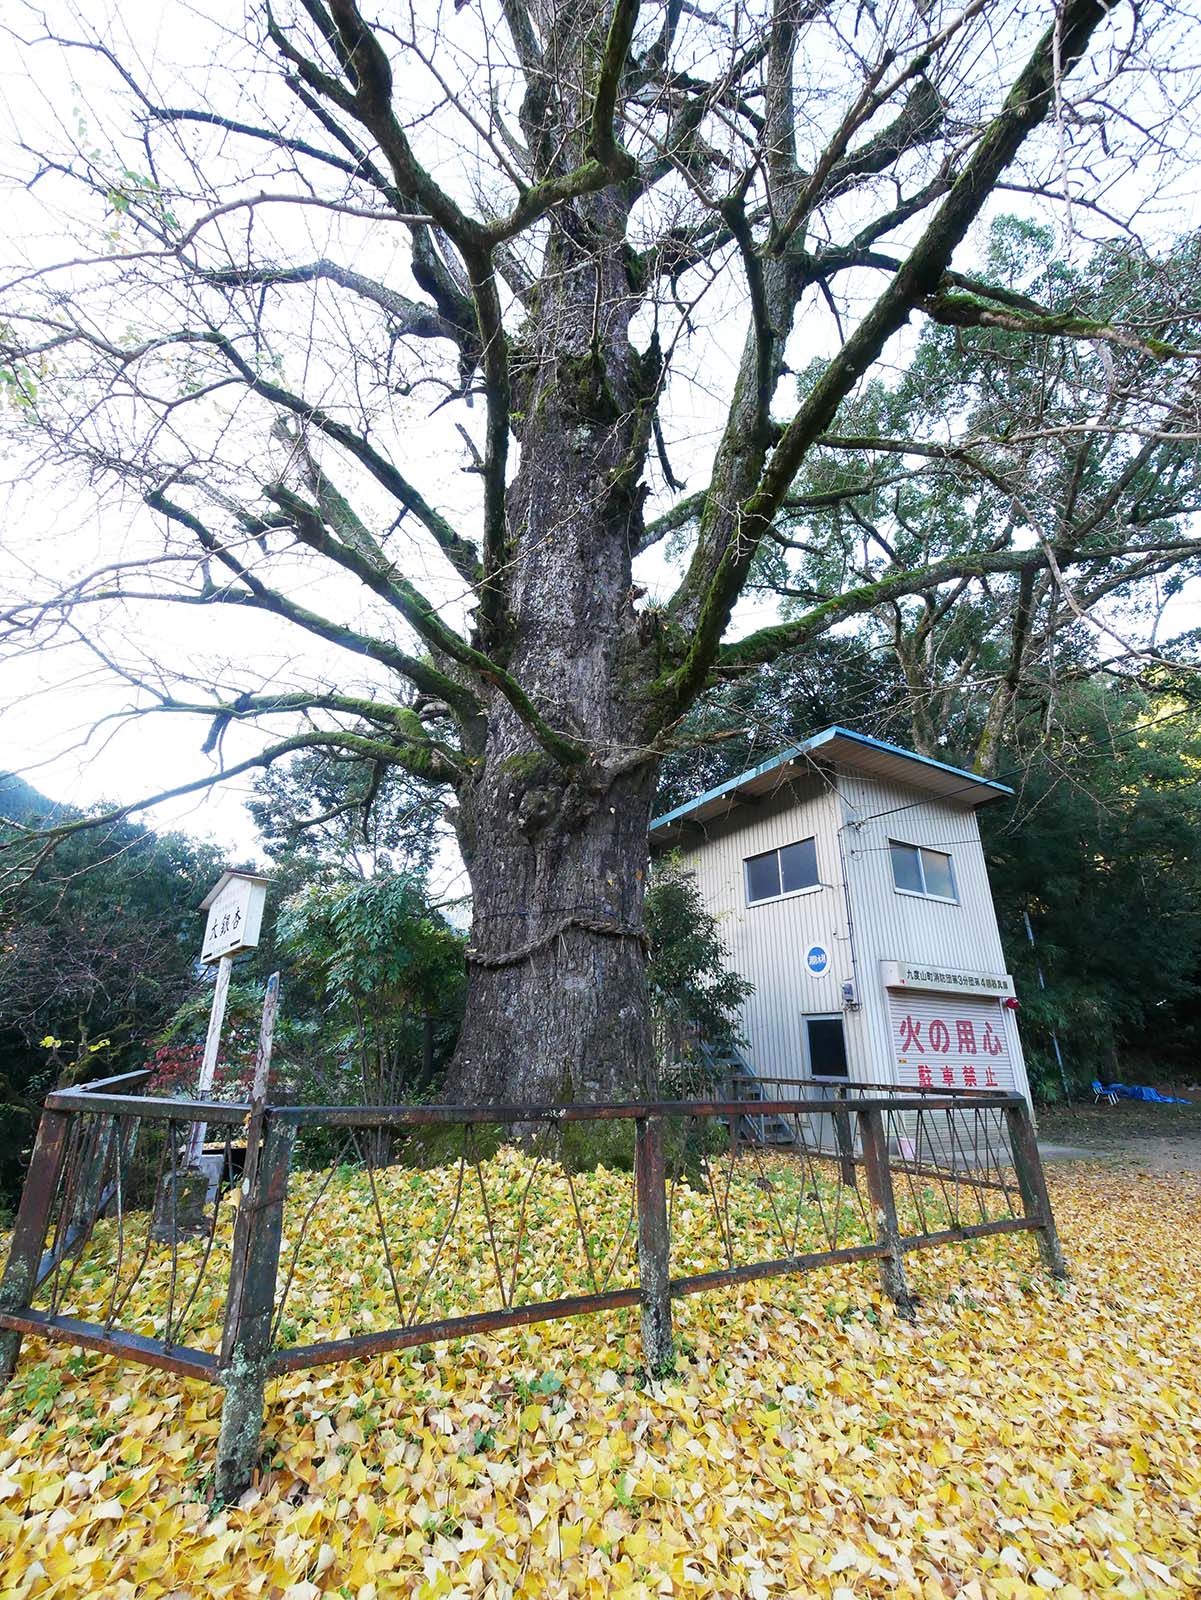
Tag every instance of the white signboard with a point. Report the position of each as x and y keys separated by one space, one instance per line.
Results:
x=235 y=915
x=944 y=980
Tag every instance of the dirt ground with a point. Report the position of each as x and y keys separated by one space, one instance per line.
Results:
x=1133 y=1132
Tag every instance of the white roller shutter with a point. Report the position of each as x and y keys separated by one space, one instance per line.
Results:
x=948 y=1041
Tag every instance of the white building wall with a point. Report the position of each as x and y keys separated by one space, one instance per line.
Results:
x=890 y=926
x=767 y=941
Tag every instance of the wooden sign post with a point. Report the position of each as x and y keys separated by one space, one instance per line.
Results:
x=235 y=918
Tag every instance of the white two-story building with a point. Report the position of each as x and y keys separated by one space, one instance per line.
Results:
x=850 y=887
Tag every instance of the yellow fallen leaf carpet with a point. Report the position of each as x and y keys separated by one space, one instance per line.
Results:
x=1017 y=1439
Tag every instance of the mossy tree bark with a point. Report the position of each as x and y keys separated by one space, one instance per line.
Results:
x=555 y=841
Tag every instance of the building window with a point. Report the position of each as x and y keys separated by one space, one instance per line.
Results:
x=916 y=870
x=825 y=1047
x=779 y=872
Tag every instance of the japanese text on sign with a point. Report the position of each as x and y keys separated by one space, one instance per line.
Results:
x=235 y=916
x=919 y=975
x=950 y=1051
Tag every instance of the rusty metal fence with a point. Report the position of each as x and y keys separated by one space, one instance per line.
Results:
x=323 y=1234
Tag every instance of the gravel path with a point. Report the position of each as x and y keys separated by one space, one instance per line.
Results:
x=1158 y=1138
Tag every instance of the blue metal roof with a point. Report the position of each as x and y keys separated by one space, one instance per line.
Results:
x=984 y=788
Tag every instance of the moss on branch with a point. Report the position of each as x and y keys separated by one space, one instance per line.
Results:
x=969 y=311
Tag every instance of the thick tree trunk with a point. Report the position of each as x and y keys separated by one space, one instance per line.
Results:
x=557 y=852
x=557 y=1001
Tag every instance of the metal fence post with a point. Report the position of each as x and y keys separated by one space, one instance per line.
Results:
x=845 y=1142
x=878 y=1171
x=245 y=1357
x=29 y=1234
x=1032 y=1184
x=654 y=1246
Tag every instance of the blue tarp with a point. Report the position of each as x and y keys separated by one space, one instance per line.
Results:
x=1140 y=1091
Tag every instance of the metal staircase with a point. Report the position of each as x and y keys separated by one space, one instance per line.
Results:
x=730 y=1067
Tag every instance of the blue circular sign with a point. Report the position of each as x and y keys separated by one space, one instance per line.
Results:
x=817 y=960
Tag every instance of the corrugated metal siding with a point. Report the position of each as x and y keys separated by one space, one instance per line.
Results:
x=949 y=1041
x=956 y=1140
x=900 y=927
x=932 y=1050
x=910 y=927
x=767 y=941
x=889 y=764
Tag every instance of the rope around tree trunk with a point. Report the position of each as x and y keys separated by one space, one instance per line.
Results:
x=602 y=925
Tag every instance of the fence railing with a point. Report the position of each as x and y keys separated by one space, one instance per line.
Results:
x=319 y=1234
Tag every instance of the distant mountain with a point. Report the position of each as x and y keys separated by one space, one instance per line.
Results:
x=21 y=802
